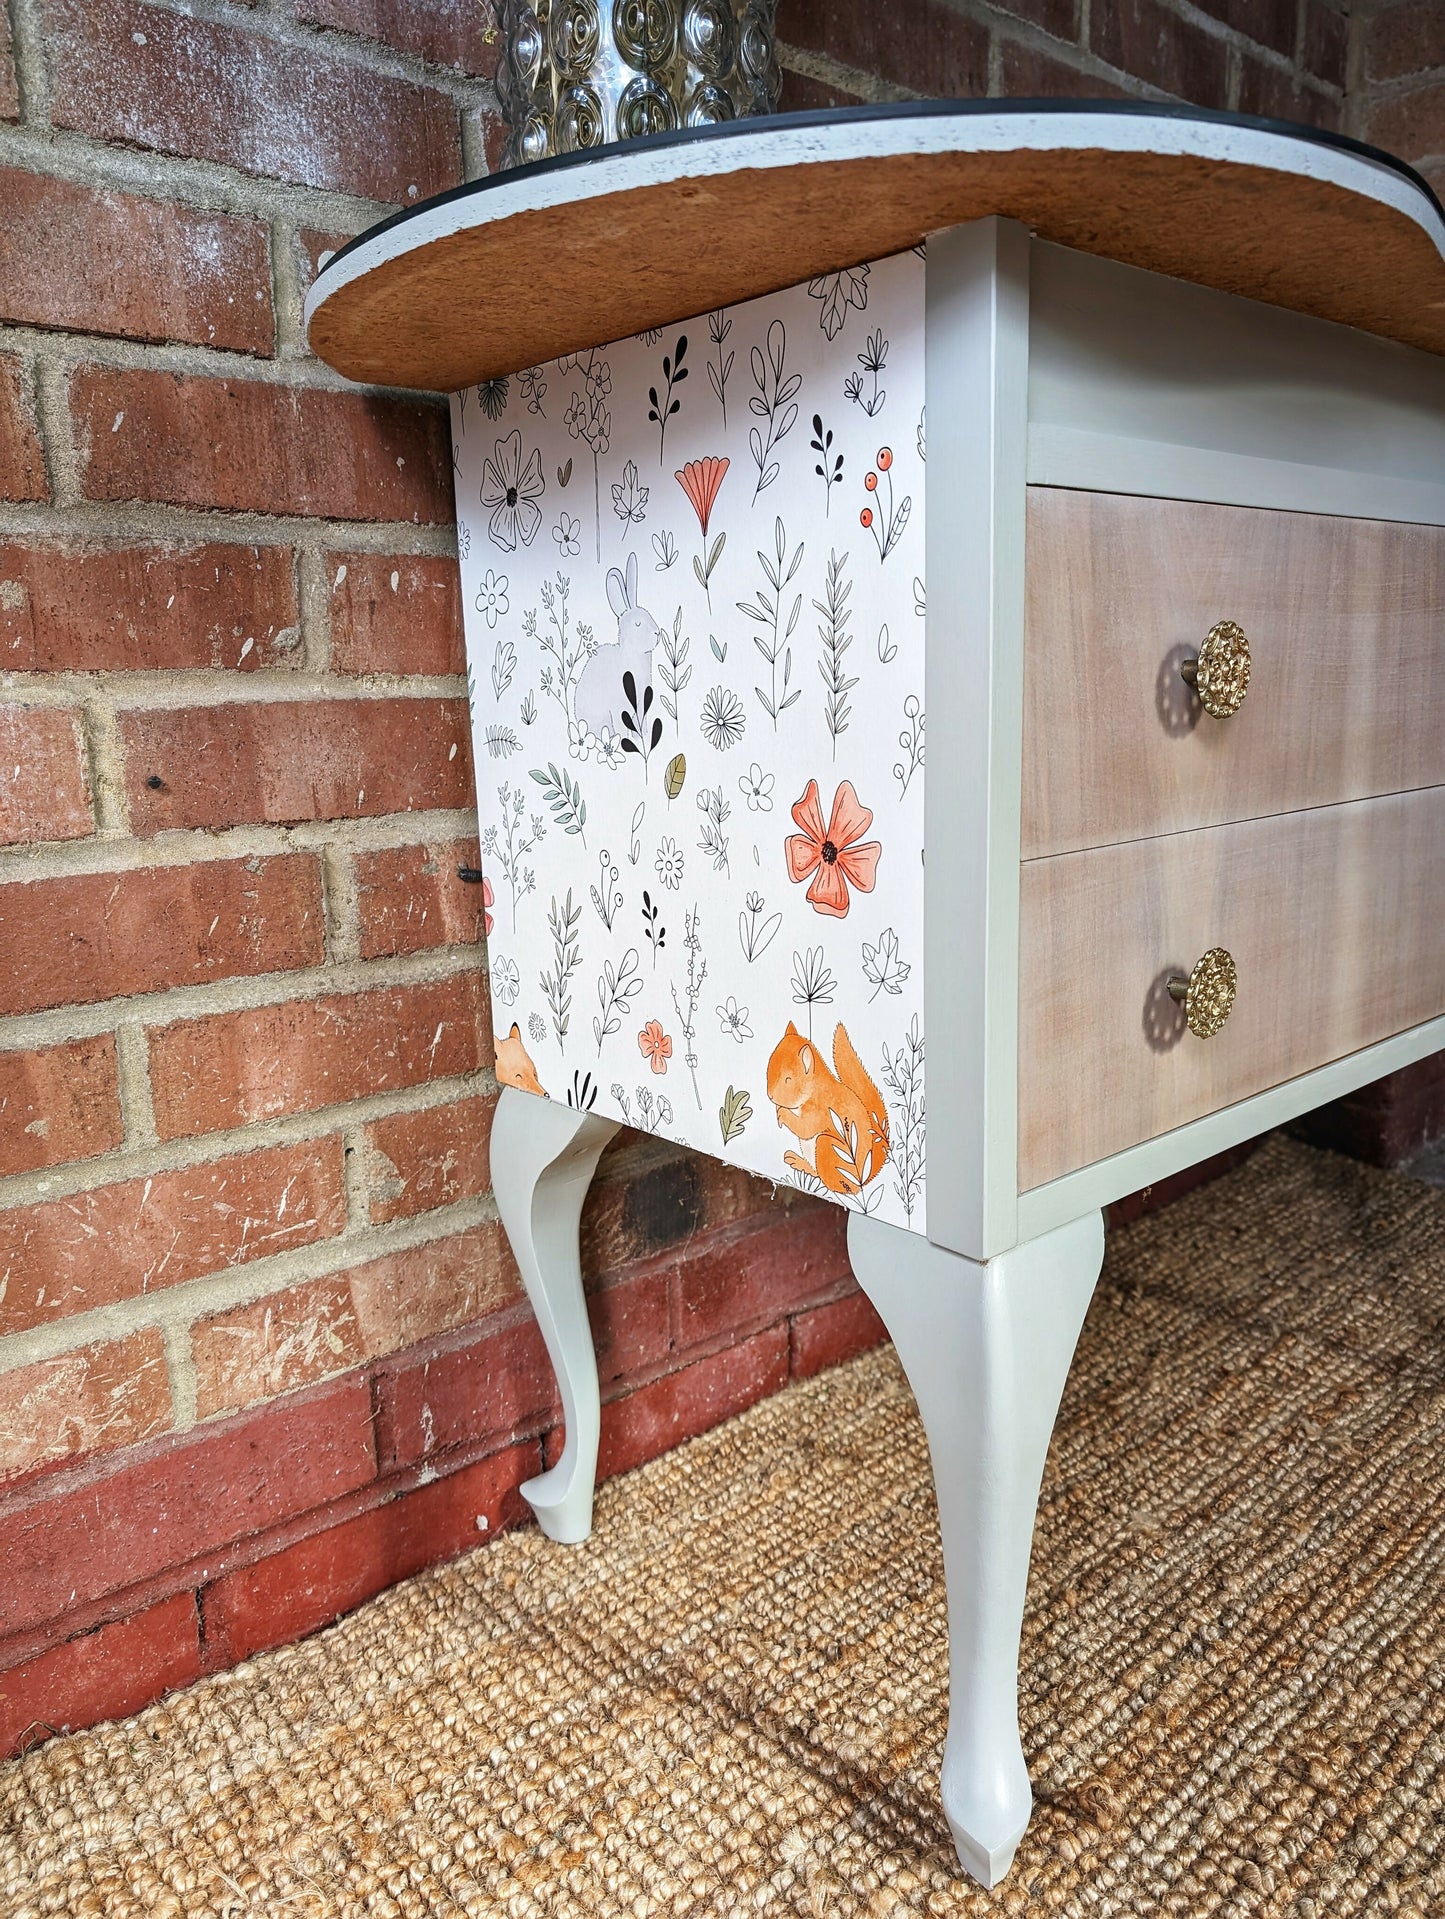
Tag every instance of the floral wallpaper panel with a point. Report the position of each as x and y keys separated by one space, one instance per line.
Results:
x=692 y=566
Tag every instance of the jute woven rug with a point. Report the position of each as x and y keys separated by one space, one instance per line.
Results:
x=732 y=1699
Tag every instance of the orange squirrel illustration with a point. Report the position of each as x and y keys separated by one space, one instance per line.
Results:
x=839 y=1109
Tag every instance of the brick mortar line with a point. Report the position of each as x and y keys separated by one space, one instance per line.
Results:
x=251 y=1548
x=342 y=904
x=79 y=1177
x=1237 y=37
x=181 y=1306
x=1234 y=76
x=52 y=424
x=315 y=581
x=288 y=295
x=205 y=186
x=175 y=1311
x=378 y=833
x=181 y=1375
x=1400 y=84
x=1352 y=101
x=171 y=689
x=131 y=522
x=993 y=65
x=456 y=1339
x=95 y=1469
x=237 y=994
x=247 y=1549
x=1069 y=53
x=999 y=19
x=1077 y=53
x=356 y=1179
x=133 y=1064
x=677 y=1252
x=32 y=70
x=62 y=351
x=678 y=1358
x=474 y=139
x=105 y=764
x=335 y=43
x=283 y=29
x=835 y=73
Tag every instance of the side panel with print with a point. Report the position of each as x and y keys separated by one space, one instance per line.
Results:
x=692 y=566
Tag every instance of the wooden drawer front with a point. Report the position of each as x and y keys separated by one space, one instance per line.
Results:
x=1346 y=626
x=1335 y=918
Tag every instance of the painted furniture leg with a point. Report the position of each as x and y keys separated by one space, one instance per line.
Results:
x=986 y=1348
x=543 y=1158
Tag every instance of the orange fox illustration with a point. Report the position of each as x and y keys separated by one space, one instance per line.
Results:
x=514 y=1064
x=838 y=1108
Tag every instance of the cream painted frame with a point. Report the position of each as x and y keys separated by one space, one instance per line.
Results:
x=1107 y=341
x=1029 y=349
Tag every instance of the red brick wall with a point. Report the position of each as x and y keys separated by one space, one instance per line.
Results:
x=1285 y=57
x=262 y=1349
x=1398 y=97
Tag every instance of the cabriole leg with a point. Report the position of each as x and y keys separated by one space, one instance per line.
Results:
x=986 y=1348
x=543 y=1158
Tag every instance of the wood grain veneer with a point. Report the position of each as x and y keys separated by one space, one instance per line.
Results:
x=1346 y=625
x=1333 y=916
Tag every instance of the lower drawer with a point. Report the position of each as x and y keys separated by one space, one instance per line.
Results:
x=1336 y=921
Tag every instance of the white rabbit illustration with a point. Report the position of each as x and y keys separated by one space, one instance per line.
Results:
x=600 y=697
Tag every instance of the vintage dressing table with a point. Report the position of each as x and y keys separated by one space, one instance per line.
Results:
x=1131 y=483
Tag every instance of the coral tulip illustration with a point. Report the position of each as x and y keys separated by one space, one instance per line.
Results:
x=700 y=481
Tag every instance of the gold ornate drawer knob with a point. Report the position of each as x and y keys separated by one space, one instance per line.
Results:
x=1220 y=672
x=1208 y=993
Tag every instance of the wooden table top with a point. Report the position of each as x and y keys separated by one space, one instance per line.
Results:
x=547 y=259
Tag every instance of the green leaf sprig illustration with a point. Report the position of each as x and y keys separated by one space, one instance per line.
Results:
x=775 y=402
x=564 y=796
x=567 y=948
x=672 y=668
x=616 y=988
x=832 y=631
x=704 y=569
x=767 y=612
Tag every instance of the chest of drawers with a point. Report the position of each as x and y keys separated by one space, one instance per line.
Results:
x=1073 y=465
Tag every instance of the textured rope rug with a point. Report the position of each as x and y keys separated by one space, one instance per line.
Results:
x=732 y=1699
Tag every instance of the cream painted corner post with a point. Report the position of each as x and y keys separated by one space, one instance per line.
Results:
x=985 y=1325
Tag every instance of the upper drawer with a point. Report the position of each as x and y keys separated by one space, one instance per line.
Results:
x=1346 y=627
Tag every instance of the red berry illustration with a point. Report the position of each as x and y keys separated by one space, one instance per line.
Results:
x=870 y=480
x=866 y=516
x=885 y=457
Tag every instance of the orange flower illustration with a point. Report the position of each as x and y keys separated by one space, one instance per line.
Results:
x=832 y=854
x=655 y=1045
x=700 y=480
x=489 y=899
